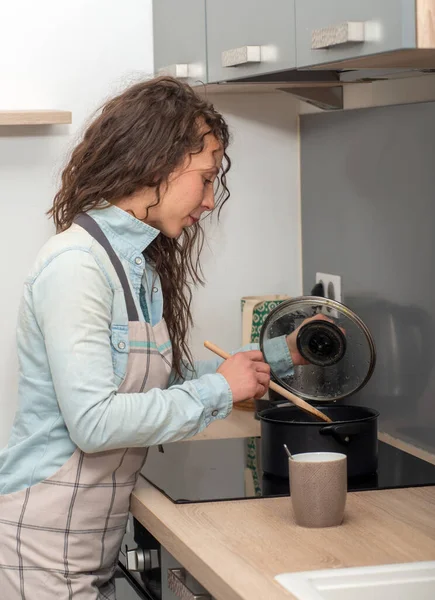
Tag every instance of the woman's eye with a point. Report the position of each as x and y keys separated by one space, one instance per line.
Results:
x=207 y=181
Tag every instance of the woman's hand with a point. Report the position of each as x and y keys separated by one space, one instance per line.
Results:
x=247 y=375
x=297 y=358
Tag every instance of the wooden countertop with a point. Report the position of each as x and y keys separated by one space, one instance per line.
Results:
x=236 y=548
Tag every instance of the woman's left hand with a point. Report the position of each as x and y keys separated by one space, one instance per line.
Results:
x=297 y=358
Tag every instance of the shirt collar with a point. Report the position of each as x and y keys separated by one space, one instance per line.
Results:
x=127 y=235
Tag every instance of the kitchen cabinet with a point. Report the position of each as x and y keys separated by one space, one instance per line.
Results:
x=370 y=34
x=179 y=39
x=334 y=30
x=305 y=47
x=247 y=38
x=269 y=40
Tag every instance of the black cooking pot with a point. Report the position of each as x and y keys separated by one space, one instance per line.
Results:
x=340 y=358
x=354 y=432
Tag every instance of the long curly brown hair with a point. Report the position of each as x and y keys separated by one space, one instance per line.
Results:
x=136 y=141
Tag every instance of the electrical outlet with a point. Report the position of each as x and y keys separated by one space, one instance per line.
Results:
x=332 y=286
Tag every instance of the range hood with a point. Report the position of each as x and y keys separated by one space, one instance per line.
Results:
x=320 y=87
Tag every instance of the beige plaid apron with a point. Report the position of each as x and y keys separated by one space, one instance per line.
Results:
x=60 y=538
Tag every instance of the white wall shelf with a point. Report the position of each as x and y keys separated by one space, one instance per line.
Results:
x=35 y=117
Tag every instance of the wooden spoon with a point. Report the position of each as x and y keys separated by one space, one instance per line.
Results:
x=305 y=406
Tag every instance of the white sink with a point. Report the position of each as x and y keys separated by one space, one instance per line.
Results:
x=388 y=582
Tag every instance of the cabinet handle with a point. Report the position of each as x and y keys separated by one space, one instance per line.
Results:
x=336 y=35
x=244 y=55
x=179 y=70
x=177 y=585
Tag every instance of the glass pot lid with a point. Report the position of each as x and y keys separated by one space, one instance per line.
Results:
x=339 y=352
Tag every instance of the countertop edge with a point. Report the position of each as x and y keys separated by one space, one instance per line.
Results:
x=169 y=536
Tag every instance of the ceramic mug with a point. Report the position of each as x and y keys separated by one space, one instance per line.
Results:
x=318 y=488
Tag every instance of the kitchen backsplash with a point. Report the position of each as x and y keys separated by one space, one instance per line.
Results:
x=368 y=214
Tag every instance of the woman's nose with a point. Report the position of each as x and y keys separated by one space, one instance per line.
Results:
x=209 y=199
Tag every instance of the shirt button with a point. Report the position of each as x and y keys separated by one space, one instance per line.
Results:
x=138 y=260
x=121 y=345
x=155 y=290
x=215 y=413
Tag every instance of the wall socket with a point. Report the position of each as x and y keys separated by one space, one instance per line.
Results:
x=332 y=286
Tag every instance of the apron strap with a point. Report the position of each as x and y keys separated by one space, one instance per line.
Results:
x=92 y=227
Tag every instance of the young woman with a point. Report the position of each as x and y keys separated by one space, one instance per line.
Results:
x=105 y=371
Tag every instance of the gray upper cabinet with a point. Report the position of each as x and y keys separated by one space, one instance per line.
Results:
x=330 y=31
x=179 y=39
x=210 y=41
x=246 y=38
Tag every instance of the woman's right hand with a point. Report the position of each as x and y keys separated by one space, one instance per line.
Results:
x=247 y=375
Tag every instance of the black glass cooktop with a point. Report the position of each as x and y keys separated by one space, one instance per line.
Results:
x=213 y=470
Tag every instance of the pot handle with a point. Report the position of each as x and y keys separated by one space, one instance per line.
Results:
x=342 y=433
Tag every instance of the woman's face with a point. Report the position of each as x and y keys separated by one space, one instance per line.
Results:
x=188 y=194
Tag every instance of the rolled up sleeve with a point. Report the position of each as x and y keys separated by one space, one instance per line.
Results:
x=276 y=353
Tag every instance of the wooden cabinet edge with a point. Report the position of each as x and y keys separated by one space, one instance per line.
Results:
x=35 y=117
x=425 y=23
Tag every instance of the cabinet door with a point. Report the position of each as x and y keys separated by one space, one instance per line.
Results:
x=246 y=38
x=179 y=39
x=329 y=31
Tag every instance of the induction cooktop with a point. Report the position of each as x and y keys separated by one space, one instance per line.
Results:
x=217 y=470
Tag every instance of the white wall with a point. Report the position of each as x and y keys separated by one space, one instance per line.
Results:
x=53 y=54
x=255 y=248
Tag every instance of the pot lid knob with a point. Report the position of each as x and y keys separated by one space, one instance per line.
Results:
x=321 y=343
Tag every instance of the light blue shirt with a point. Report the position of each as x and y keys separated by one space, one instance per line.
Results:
x=71 y=321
